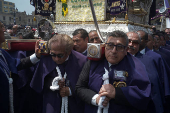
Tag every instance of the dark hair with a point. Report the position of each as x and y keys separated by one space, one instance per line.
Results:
x=118 y=34
x=92 y=31
x=83 y=33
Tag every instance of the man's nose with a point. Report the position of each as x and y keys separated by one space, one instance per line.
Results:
x=130 y=43
x=114 y=49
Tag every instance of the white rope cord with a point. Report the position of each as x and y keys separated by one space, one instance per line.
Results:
x=55 y=86
x=100 y=106
x=11 y=107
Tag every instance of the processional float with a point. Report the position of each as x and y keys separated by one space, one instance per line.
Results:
x=104 y=16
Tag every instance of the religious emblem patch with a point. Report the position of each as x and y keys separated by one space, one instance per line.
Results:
x=120 y=78
x=43 y=46
x=44 y=7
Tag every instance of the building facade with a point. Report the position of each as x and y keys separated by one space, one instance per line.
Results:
x=10 y=15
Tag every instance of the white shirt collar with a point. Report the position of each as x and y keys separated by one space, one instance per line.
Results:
x=67 y=58
x=109 y=64
x=84 y=51
x=142 y=51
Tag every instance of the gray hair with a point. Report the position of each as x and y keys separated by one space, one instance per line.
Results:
x=137 y=34
x=62 y=40
x=118 y=34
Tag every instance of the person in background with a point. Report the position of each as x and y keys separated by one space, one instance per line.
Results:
x=150 y=42
x=167 y=31
x=9 y=67
x=80 y=39
x=116 y=84
x=14 y=30
x=156 y=103
x=93 y=37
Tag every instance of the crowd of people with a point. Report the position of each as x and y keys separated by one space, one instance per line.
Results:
x=20 y=32
x=133 y=77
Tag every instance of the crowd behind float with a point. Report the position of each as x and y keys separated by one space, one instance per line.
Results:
x=133 y=76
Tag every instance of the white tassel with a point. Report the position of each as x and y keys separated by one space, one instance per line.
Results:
x=11 y=96
x=55 y=86
x=100 y=106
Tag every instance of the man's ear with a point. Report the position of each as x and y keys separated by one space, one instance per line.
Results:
x=87 y=39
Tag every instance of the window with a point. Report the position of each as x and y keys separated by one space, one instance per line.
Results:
x=5 y=6
x=9 y=18
x=19 y=18
x=3 y=17
x=5 y=2
x=5 y=10
x=28 y=20
x=10 y=3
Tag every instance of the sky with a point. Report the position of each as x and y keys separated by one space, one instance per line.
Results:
x=23 y=5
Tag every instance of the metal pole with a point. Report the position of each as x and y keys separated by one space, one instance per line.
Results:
x=95 y=21
x=162 y=23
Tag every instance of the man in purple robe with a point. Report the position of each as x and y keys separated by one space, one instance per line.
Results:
x=118 y=83
x=158 y=61
x=63 y=60
x=157 y=97
x=165 y=53
x=8 y=71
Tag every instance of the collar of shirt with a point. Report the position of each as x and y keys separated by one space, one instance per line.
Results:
x=142 y=51
x=67 y=58
x=84 y=51
x=110 y=66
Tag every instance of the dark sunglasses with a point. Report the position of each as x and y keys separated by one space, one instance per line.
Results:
x=92 y=39
x=57 y=55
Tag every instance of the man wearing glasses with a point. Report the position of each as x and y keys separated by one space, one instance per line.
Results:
x=93 y=37
x=62 y=62
x=118 y=83
x=156 y=103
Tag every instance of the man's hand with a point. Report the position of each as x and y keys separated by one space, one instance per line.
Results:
x=107 y=90
x=64 y=91
x=61 y=83
x=105 y=102
x=37 y=50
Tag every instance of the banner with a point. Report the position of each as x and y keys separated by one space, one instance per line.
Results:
x=117 y=6
x=44 y=7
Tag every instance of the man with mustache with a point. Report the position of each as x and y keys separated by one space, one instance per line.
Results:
x=115 y=84
x=80 y=39
x=156 y=103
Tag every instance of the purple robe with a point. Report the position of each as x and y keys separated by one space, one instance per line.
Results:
x=4 y=83
x=25 y=99
x=137 y=92
x=46 y=72
x=156 y=104
x=160 y=66
x=166 y=47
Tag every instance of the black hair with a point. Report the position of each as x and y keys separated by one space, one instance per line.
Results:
x=81 y=31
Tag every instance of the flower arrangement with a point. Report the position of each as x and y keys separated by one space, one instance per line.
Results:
x=64 y=7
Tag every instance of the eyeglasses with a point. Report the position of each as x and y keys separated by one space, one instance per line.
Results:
x=134 y=41
x=119 y=47
x=92 y=39
x=57 y=55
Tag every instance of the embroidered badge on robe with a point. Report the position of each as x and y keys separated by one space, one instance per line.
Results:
x=120 y=78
